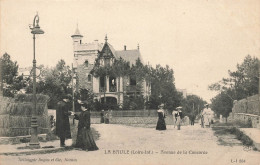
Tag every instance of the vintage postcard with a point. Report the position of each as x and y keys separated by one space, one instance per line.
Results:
x=133 y=82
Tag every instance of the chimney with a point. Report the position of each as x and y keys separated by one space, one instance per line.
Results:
x=124 y=47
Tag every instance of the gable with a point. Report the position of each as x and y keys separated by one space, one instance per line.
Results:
x=106 y=52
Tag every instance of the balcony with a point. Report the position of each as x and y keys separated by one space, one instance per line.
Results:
x=102 y=89
x=112 y=89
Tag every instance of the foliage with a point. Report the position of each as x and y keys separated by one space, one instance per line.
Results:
x=222 y=104
x=160 y=78
x=162 y=81
x=119 y=68
x=133 y=103
x=84 y=95
x=192 y=105
x=11 y=83
x=241 y=136
x=54 y=82
x=240 y=84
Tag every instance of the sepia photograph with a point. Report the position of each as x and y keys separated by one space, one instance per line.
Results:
x=130 y=82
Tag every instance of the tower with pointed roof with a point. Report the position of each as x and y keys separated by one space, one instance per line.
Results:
x=77 y=37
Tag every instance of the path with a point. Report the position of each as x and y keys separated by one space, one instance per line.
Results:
x=148 y=146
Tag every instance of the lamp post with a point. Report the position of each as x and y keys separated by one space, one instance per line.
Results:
x=160 y=96
x=34 y=142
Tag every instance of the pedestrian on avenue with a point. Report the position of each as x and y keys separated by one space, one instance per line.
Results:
x=62 y=120
x=85 y=140
x=192 y=118
x=161 y=115
x=207 y=115
x=102 y=116
x=201 y=120
x=179 y=117
x=174 y=115
x=107 y=117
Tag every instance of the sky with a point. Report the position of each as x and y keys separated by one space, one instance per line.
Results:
x=200 y=39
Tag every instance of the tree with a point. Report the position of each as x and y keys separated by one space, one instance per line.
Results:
x=193 y=104
x=11 y=83
x=162 y=80
x=54 y=82
x=222 y=104
x=240 y=84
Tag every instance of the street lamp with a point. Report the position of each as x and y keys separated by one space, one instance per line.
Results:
x=34 y=142
x=160 y=96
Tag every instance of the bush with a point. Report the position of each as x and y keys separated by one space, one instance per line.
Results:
x=133 y=103
x=241 y=136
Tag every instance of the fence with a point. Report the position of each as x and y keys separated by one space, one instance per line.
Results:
x=129 y=113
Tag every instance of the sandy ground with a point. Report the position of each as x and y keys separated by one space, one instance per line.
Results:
x=120 y=144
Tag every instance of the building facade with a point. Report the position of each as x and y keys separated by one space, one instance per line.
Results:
x=107 y=88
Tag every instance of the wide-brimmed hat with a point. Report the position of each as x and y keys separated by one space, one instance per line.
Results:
x=161 y=105
x=82 y=102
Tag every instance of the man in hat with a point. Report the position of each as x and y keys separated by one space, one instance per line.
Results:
x=62 y=120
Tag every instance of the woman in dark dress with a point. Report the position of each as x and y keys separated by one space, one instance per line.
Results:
x=161 y=122
x=85 y=138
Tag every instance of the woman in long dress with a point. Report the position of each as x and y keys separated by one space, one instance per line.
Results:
x=161 y=122
x=85 y=138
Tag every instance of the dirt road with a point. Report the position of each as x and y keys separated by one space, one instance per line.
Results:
x=120 y=144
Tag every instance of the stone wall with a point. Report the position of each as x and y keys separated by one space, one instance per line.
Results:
x=246 y=111
x=249 y=105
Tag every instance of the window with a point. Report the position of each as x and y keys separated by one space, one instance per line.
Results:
x=86 y=63
x=107 y=62
x=101 y=62
x=89 y=78
x=102 y=81
x=132 y=81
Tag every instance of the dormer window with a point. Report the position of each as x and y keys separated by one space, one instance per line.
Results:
x=107 y=62
x=101 y=62
x=86 y=63
x=132 y=81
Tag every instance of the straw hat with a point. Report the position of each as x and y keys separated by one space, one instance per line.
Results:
x=82 y=102
x=162 y=105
